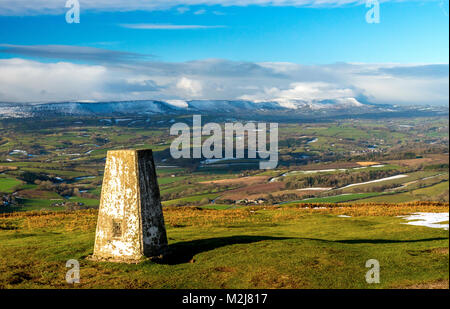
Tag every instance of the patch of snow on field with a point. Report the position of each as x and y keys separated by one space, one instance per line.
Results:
x=344 y=216
x=123 y=119
x=377 y=180
x=18 y=151
x=428 y=219
x=83 y=177
x=426 y=178
x=209 y=161
x=336 y=170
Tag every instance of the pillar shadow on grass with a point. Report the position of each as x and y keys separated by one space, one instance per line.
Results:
x=375 y=241
x=183 y=252
x=386 y=241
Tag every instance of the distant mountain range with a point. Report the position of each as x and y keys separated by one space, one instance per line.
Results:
x=301 y=109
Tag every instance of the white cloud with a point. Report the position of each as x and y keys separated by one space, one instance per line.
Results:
x=405 y=90
x=32 y=7
x=288 y=83
x=24 y=80
x=190 y=87
x=183 y=10
x=168 y=26
x=305 y=92
x=200 y=12
x=78 y=53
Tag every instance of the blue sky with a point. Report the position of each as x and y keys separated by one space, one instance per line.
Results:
x=165 y=37
x=407 y=32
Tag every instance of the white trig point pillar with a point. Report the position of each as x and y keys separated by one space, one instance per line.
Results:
x=130 y=222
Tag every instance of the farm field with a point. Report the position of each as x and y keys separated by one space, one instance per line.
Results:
x=60 y=165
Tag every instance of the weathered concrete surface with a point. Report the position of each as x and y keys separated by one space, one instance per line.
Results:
x=130 y=222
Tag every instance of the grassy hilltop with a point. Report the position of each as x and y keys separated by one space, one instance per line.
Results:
x=293 y=246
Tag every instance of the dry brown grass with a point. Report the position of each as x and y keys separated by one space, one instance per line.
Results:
x=7 y=168
x=367 y=163
x=440 y=250
x=37 y=194
x=429 y=159
x=84 y=220
x=193 y=216
x=438 y=284
x=375 y=209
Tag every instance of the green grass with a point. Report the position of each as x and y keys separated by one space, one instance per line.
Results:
x=27 y=186
x=286 y=248
x=8 y=184
x=168 y=170
x=432 y=190
x=337 y=198
x=96 y=191
x=28 y=204
x=86 y=201
x=194 y=198
x=61 y=173
x=399 y=181
x=177 y=188
x=218 y=206
x=422 y=194
x=34 y=204
x=167 y=180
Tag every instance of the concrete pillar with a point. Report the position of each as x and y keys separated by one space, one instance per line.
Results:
x=130 y=222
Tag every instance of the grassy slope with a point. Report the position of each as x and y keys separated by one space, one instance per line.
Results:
x=337 y=198
x=194 y=198
x=8 y=184
x=274 y=248
x=414 y=195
